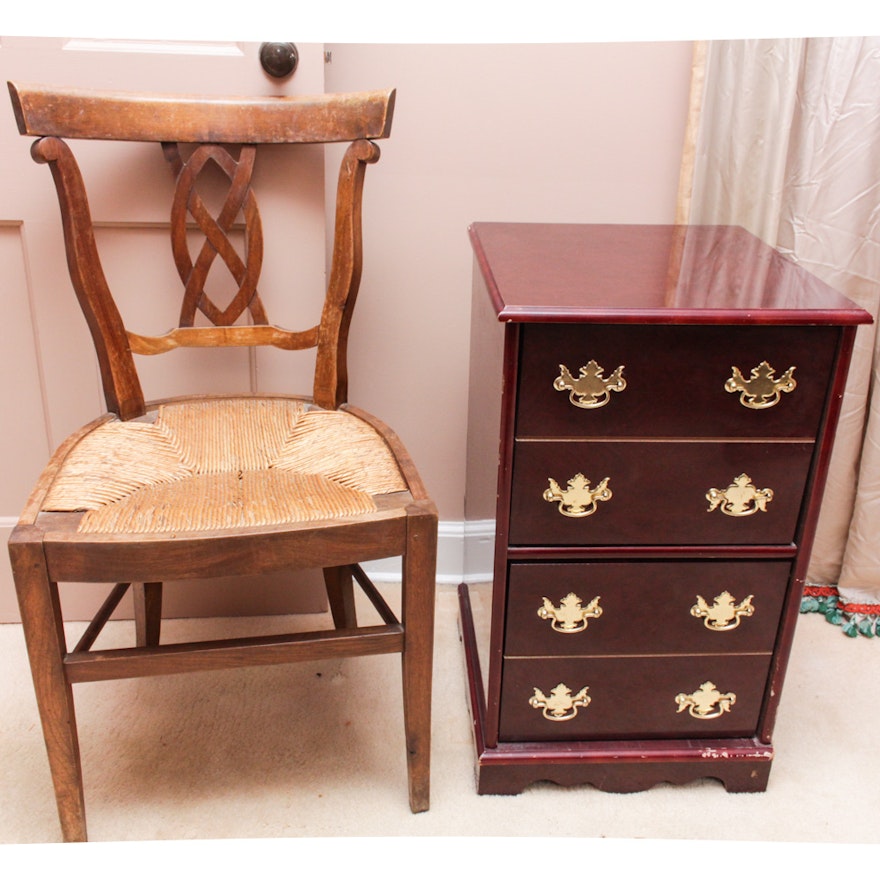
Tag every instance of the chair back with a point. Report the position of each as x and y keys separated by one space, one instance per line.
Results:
x=199 y=135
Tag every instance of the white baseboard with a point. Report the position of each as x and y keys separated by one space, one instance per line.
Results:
x=464 y=554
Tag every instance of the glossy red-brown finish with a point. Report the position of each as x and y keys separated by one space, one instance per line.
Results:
x=675 y=378
x=741 y=764
x=645 y=606
x=631 y=697
x=545 y=272
x=676 y=308
x=658 y=492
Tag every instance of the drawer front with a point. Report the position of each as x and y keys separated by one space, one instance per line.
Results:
x=644 y=607
x=658 y=492
x=675 y=380
x=632 y=698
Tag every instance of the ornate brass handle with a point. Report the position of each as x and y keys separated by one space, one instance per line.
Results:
x=561 y=705
x=740 y=498
x=569 y=616
x=705 y=703
x=591 y=389
x=762 y=390
x=578 y=499
x=724 y=613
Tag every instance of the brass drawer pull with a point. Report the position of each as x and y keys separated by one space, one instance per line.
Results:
x=705 y=703
x=561 y=705
x=578 y=499
x=723 y=614
x=591 y=389
x=740 y=498
x=570 y=616
x=762 y=390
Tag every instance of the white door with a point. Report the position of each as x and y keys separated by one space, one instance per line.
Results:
x=50 y=384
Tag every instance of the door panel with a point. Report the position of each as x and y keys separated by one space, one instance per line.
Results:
x=25 y=445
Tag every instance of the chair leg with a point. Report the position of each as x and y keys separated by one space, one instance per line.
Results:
x=340 y=595
x=44 y=635
x=419 y=576
x=147 y=614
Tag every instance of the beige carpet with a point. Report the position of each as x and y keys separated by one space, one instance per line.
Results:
x=316 y=751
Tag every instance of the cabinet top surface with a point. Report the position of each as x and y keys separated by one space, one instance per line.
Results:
x=645 y=274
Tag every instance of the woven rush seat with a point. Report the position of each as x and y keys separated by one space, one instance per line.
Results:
x=227 y=463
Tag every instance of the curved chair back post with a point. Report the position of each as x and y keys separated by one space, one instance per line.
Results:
x=122 y=388
x=331 y=370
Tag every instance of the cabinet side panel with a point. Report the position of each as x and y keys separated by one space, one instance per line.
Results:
x=484 y=405
x=492 y=406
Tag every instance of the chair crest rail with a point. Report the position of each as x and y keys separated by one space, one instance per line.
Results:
x=115 y=115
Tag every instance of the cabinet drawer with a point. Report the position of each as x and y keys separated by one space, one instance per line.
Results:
x=675 y=380
x=644 y=607
x=631 y=698
x=658 y=492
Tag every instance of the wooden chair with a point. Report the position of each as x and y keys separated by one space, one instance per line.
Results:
x=210 y=486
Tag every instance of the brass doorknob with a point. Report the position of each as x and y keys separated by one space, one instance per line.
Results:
x=279 y=59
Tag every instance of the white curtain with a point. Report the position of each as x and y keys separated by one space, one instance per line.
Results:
x=784 y=139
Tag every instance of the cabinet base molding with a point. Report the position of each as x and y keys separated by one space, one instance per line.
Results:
x=508 y=771
x=741 y=765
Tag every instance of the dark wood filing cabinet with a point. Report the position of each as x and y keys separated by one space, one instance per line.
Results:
x=651 y=416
